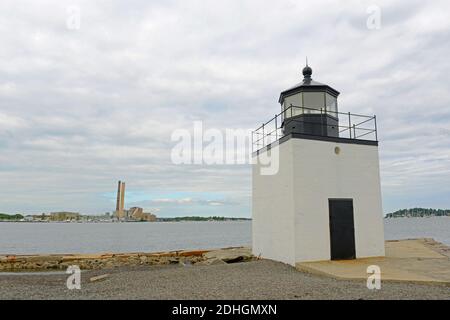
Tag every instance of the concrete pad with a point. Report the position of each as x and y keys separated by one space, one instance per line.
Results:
x=413 y=248
x=406 y=260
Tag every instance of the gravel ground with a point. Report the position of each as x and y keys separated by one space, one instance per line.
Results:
x=251 y=280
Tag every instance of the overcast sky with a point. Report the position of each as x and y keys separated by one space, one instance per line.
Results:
x=82 y=106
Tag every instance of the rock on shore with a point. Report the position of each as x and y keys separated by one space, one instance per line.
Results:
x=110 y=260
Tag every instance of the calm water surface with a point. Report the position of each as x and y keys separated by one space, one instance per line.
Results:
x=27 y=238
x=33 y=238
x=404 y=228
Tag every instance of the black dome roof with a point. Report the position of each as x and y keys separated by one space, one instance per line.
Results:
x=308 y=84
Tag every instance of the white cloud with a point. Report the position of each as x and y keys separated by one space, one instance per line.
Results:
x=178 y=201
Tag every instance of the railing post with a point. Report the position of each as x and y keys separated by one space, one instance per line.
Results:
x=349 y=125
x=276 y=128
x=264 y=135
x=376 y=129
x=252 y=141
x=354 y=131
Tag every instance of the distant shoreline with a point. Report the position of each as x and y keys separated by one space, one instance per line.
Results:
x=109 y=219
x=115 y=222
x=419 y=213
x=412 y=217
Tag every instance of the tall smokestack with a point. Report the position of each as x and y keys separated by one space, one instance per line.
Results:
x=122 y=197
x=119 y=189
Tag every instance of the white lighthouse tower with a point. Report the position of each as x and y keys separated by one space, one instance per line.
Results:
x=321 y=198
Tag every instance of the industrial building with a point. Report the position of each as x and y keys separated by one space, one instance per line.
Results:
x=132 y=214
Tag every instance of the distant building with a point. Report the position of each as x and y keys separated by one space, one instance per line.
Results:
x=138 y=214
x=64 y=216
x=135 y=213
x=132 y=214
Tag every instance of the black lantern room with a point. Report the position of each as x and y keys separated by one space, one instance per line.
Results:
x=310 y=108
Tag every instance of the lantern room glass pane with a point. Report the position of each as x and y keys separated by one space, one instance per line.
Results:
x=313 y=100
x=294 y=100
x=331 y=104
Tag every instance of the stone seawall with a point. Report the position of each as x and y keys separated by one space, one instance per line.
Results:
x=110 y=260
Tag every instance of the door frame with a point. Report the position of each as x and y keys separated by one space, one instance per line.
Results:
x=353 y=226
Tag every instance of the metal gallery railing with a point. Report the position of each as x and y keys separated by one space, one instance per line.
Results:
x=349 y=125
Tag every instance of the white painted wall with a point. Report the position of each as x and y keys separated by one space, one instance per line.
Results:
x=311 y=173
x=273 y=210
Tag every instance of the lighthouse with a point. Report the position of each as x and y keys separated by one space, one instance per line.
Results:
x=323 y=199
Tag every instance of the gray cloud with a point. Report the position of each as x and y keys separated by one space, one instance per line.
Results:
x=80 y=109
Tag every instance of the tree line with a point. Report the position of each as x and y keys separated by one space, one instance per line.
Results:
x=11 y=217
x=419 y=212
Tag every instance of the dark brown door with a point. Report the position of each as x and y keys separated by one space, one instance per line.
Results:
x=342 y=229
